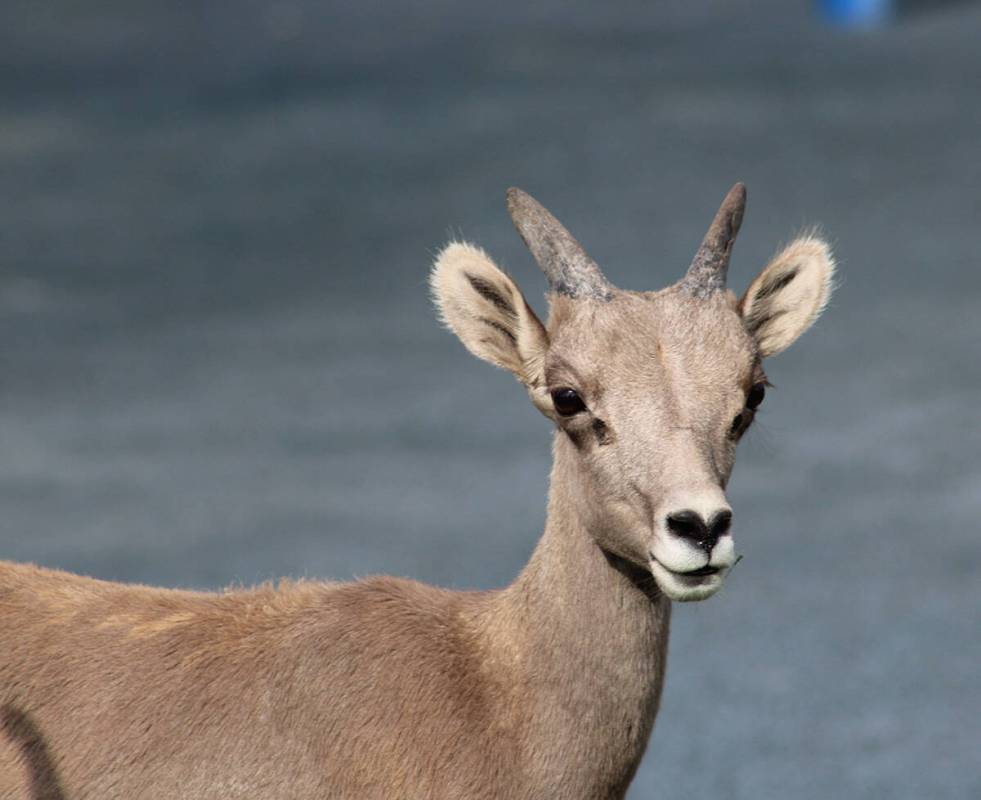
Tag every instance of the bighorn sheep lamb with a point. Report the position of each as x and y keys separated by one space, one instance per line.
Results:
x=386 y=688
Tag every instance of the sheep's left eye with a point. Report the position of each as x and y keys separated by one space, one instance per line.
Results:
x=567 y=402
x=756 y=395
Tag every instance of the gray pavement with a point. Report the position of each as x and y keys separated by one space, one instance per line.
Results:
x=219 y=364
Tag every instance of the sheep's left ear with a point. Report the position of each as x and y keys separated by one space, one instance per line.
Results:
x=788 y=295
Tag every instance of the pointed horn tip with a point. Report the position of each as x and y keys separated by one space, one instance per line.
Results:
x=739 y=188
x=526 y=211
x=734 y=205
x=519 y=199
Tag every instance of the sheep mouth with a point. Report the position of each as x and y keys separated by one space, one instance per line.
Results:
x=702 y=572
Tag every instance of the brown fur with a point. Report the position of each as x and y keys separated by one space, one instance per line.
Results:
x=386 y=689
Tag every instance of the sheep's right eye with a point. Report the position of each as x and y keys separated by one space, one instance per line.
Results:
x=567 y=402
x=756 y=395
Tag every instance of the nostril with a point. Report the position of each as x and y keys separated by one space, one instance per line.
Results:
x=688 y=524
x=720 y=524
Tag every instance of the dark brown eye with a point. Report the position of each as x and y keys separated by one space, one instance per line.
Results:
x=567 y=402
x=756 y=395
x=737 y=424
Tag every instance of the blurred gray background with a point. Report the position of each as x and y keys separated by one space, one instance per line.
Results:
x=219 y=364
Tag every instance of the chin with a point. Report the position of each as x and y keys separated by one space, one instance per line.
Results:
x=685 y=587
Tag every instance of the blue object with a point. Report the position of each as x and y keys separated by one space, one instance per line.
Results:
x=857 y=13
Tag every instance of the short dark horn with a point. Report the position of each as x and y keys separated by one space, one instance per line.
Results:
x=707 y=273
x=566 y=266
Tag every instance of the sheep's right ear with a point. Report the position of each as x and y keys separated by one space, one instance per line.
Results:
x=487 y=311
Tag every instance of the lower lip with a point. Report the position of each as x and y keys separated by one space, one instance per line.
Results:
x=684 y=586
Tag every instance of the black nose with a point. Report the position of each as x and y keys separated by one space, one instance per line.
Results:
x=690 y=525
